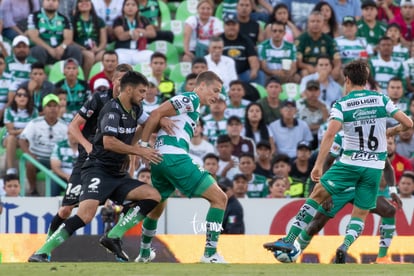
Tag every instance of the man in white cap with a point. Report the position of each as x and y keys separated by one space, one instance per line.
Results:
x=18 y=65
x=101 y=85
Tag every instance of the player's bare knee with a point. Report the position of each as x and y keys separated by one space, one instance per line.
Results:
x=65 y=211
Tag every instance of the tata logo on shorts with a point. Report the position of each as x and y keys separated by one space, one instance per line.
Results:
x=361 y=114
x=364 y=156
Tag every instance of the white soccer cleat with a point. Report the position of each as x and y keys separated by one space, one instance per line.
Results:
x=213 y=259
x=149 y=259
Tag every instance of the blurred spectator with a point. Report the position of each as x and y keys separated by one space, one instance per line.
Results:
x=240 y=143
x=89 y=32
x=278 y=57
x=77 y=89
x=19 y=63
x=330 y=89
x=300 y=10
x=409 y=73
x=151 y=100
x=223 y=66
x=198 y=145
x=211 y=164
x=405 y=143
x=399 y=162
x=281 y=166
x=344 y=8
x=215 y=122
x=288 y=131
x=101 y=85
x=199 y=29
x=311 y=110
x=406 y=21
x=15 y=13
x=383 y=66
x=5 y=84
x=20 y=112
x=52 y=34
x=349 y=45
x=233 y=222
x=198 y=65
x=64 y=114
x=263 y=160
x=189 y=83
x=399 y=52
x=406 y=185
x=228 y=164
x=387 y=10
x=144 y=175
x=108 y=215
x=108 y=10
x=62 y=160
x=313 y=43
x=303 y=164
x=395 y=91
x=277 y=187
x=240 y=48
x=281 y=13
x=165 y=86
x=248 y=26
x=271 y=103
x=40 y=136
x=236 y=104
x=11 y=186
x=151 y=10
x=240 y=185
x=109 y=63
x=67 y=8
x=257 y=184
x=369 y=27
x=330 y=21
x=37 y=85
x=132 y=32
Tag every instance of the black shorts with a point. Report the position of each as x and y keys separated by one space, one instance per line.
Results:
x=74 y=188
x=100 y=185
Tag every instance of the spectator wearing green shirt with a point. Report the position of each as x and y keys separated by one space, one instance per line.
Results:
x=151 y=10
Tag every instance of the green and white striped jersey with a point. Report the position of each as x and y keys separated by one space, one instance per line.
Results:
x=273 y=55
x=400 y=53
x=17 y=71
x=363 y=115
x=383 y=71
x=64 y=153
x=187 y=106
x=349 y=49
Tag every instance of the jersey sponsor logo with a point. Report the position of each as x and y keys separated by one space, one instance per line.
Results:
x=111 y=117
x=126 y=130
x=159 y=143
x=364 y=156
x=361 y=114
x=177 y=104
x=110 y=129
x=367 y=101
x=89 y=113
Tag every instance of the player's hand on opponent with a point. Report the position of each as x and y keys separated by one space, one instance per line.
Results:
x=397 y=201
x=168 y=125
x=150 y=154
x=316 y=174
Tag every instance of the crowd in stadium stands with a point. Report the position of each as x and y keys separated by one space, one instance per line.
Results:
x=280 y=61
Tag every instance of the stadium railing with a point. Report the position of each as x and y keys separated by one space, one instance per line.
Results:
x=49 y=175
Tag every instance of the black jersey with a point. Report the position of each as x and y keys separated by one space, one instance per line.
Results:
x=115 y=121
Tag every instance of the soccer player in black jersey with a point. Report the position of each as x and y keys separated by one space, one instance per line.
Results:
x=103 y=174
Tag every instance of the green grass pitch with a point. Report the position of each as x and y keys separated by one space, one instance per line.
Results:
x=130 y=269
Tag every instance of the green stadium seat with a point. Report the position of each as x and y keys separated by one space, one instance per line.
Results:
x=56 y=72
x=144 y=69
x=173 y=5
x=165 y=11
x=290 y=91
x=177 y=28
x=179 y=72
x=186 y=9
x=3 y=132
x=262 y=91
x=219 y=11
x=167 y=49
x=96 y=68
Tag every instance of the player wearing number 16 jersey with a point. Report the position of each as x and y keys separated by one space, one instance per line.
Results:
x=362 y=115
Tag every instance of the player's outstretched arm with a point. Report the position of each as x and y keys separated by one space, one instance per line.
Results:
x=405 y=123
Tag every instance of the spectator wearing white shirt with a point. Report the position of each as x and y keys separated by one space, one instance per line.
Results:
x=108 y=11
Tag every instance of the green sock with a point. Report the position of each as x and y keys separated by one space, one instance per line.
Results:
x=354 y=229
x=56 y=239
x=387 y=229
x=304 y=216
x=149 y=228
x=213 y=222
x=304 y=240
x=128 y=221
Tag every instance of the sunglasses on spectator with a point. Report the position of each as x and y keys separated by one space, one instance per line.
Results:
x=22 y=95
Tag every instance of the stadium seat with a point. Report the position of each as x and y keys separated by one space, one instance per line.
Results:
x=165 y=11
x=167 y=49
x=173 y=5
x=219 y=11
x=3 y=132
x=96 y=68
x=262 y=91
x=186 y=9
x=56 y=72
x=177 y=27
x=179 y=72
x=144 y=69
x=290 y=91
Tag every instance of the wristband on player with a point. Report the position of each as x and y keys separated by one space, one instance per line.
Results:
x=392 y=189
x=143 y=144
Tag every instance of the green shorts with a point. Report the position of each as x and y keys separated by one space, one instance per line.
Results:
x=366 y=181
x=178 y=171
x=338 y=202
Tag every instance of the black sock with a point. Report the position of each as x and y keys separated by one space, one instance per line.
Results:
x=56 y=222
x=146 y=205
x=73 y=223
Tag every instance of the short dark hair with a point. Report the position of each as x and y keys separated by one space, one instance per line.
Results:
x=248 y=155
x=357 y=72
x=123 y=67
x=110 y=53
x=158 y=55
x=191 y=76
x=60 y=91
x=216 y=39
x=210 y=156
x=384 y=38
x=224 y=138
x=10 y=177
x=277 y=22
x=237 y=82
x=38 y=65
x=134 y=79
x=408 y=174
x=199 y=60
x=281 y=158
x=324 y=56
x=208 y=77
x=143 y=170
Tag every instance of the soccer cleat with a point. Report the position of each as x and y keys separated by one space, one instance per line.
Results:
x=213 y=259
x=148 y=259
x=385 y=260
x=340 y=255
x=39 y=258
x=281 y=245
x=114 y=246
